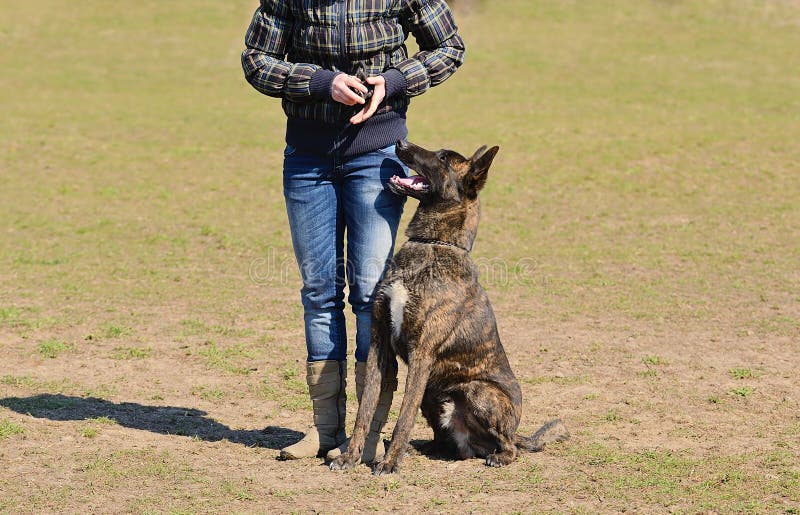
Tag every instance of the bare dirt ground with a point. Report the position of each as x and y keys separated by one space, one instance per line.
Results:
x=666 y=419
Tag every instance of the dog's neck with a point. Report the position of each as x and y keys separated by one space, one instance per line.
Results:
x=456 y=226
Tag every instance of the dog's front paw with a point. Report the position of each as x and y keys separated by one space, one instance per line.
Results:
x=385 y=468
x=344 y=461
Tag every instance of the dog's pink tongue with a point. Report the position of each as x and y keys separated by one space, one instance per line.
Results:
x=415 y=181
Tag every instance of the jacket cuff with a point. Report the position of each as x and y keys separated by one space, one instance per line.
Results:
x=321 y=82
x=395 y=82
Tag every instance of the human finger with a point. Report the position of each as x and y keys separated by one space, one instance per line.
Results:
x=378 y=94
x=345 y=90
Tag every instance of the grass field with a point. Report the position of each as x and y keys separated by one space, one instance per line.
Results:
x=640 y=242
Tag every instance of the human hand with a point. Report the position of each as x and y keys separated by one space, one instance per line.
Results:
x=344 y=90
x=378 y=84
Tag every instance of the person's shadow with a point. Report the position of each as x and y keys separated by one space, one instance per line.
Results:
x=166 y=420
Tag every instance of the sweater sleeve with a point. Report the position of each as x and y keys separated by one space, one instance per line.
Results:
x=441 y=48
x=267 y=42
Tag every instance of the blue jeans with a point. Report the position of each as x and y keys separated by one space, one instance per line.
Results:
x=326 y=197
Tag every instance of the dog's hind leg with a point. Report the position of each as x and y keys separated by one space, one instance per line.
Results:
x=491 y=419
x=419 y=368
x=381 y=364
x=506 y=451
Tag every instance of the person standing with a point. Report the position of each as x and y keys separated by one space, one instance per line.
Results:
x=345 y=78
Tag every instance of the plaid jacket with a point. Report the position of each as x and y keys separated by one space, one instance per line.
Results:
x=295 y=47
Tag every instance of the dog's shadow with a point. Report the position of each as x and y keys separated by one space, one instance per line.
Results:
x=427 y=449
x=165 y=420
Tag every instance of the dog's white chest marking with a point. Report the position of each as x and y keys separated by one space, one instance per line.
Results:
x=398 y=298
x=447 y=414
x=451 y=419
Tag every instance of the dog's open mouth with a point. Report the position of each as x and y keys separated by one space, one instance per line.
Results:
x=415 y=183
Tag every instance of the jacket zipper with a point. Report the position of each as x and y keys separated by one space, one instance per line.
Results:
x=343 y=61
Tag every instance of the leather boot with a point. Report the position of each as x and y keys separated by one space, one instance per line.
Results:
x=326 y=386
x=373 y=445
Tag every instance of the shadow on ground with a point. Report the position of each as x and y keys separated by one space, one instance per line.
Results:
x=166 y=420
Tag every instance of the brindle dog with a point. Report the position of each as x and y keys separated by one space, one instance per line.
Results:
x=431 y=312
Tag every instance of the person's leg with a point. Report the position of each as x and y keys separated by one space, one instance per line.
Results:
x=372 y=215
x=317 y=225
x=316 y=222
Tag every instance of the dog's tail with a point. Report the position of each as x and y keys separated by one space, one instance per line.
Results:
x=552 y=431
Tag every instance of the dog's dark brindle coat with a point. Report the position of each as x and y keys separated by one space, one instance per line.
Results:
x=431 y=312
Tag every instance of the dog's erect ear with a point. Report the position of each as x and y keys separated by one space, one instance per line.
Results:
x=481 y=161
x=478 y=153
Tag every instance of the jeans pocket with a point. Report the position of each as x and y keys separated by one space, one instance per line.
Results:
x=289 y=150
